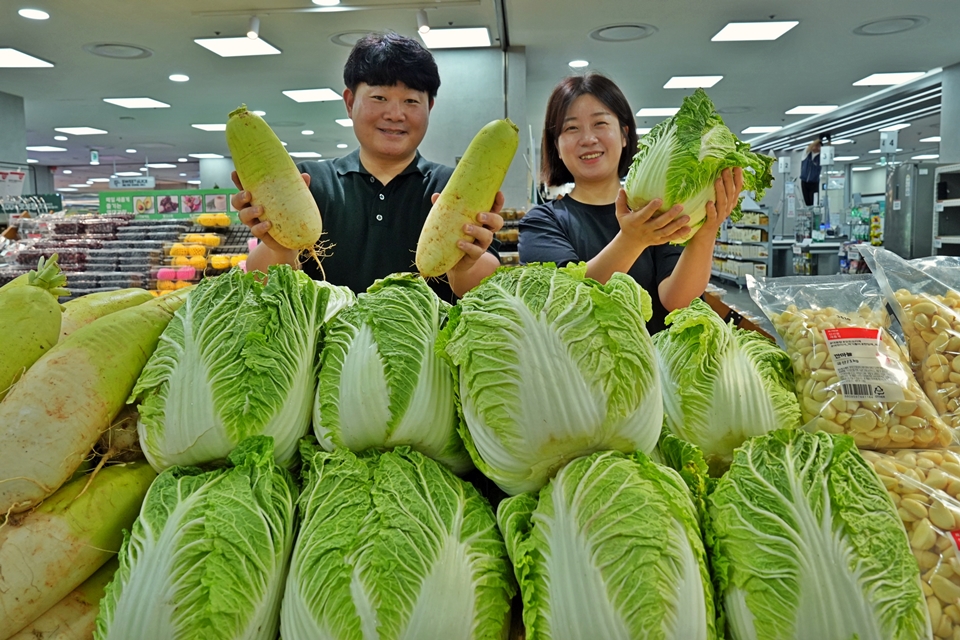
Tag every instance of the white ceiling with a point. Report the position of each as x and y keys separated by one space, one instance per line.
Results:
x=815 y=63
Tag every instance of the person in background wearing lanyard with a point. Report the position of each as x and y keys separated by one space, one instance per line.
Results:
x=375 y=200
x=588 y=137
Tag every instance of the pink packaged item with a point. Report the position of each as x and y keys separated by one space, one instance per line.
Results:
x=167 y=274
x=186 y=273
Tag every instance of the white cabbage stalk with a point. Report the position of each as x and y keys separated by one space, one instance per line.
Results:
x=552 y=366
x=722 y=385
x=208 y=555
x=808 y=546
x=611 y=548
x=381 y=383
x=393 y=546
x=237 y=360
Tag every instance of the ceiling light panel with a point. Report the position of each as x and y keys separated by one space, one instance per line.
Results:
x=896 y=127
x=305 y=154
x=128 y=174
x=238 y=47
x=657 y=112
x=34 y=14
x=930 y=139
x=750 y=130
x=862 y=168
x=312 y=95
x=161 y=165
x=752 y=31
x=692 y=82
x=205 y=156
x=846 y=158
x=811 y=109
x=344 y=122
x=45 y=149
x=463 y=38
x=15 y=59
x=137 y=103
x=80 y=131
x=887 y=79
x=927 y=156
x=210 y=127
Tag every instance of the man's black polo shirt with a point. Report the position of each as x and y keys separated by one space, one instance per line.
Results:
x=373 y=228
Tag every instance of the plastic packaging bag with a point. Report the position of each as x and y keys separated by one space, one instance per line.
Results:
x=925 y=488
x=851 y=376
x=923 y=294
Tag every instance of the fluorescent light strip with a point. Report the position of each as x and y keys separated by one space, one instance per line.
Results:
x=926 y=156
x=462 y=38
x=210 y=127
x=862 y=169
x=753 y=31
x=161 y=165
x=32 y=161
x=896 y=127
x=312 y=95
x=15 y=59
x=238 y=47
x=888 y=79
x=692 y=82
x=750 y=130
x=305 y=154
x=205 y=156
x=657 y=112
x=846 y=158
x=842 y=141
x=930 y=139
x=137 y=103
x=99 y=180
x=46 y=149
x=811 y=109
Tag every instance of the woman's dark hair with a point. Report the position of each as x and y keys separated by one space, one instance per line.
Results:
x=384 y=59
x=552 y=170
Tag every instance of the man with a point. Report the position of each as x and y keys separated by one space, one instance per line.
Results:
x=375 y=200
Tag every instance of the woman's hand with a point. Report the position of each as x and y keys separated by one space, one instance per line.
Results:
x=647 y=227
x=728 y=187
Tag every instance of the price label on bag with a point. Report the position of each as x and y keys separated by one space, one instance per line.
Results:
x=865 y=366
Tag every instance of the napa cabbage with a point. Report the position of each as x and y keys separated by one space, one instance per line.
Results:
x=551 y=366
x=381 y=383
x=610 y=548
x=679 y=160
x=394 y=546
x=722 y=385
x=808 y=546
x=208 y=555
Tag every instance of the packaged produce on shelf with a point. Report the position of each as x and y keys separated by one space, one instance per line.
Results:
x=212 y=219
x=51 y=550
x=610 y=548
x=550 y=366
x=925 y=489
x=806 y=544
x=851 y=376
x=75 y=616
x=208 y=554
x=381 y=383
x=197 y=262
x=393 y=545
x=30 y=316
x=693 y=147
x=722 y=385
x=185 y=249
x=925 y=295
x=237 y=360
x=57 y=411
x=207 y=239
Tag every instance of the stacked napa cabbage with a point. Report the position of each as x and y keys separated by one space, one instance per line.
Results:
x=552 y=366
x=682 y=157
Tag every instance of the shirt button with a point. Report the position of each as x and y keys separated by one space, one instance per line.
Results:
x=379 y=217
x=381 y=196
x=372 y=178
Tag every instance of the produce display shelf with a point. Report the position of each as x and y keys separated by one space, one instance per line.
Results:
x=724 y=256
x=751 y=226
x=740 y=280
x=742 y=241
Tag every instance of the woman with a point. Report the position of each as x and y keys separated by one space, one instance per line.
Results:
x=810 y=172
x=588 y=137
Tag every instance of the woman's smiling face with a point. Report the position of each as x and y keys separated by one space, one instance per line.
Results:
x=591 y=141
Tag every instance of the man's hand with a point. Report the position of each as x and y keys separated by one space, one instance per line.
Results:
x=646 y=227
x=728 y=187
x=482 y=232
x=250 y=215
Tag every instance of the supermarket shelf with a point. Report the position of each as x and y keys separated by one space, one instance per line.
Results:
x=751 y=226
x=724 y=256
x=740 y=280
x=741 y=242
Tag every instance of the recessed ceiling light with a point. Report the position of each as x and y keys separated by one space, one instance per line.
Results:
x=749 y=130
x=67 y=172
x=692 y=82
x=657 y=112
x=259 y=113
x=811 y=109
x=45 y=149
x=463 y=38
x=32 y=161
x=324 y=94
x=183 y=175
x=307 y=132
x=927 y=156
x=210 y=127
x=144 y=169
x=846 y=158
x=344 y=122
x=326 y=3
x=131 y=151
x=888 y=26
x=578 y=64
x=304 y=154
x=643 y=130
x=896 y=127
x=237 y=47
x=99 y=180
x=117 y=51
x=179 y=77
x=862 y=169
x=930 y=139
x=624 y=32
x=749 y=31
x=34 y=14
x=137 y=103
x=844 y=141
x=205 y=156
x=14 y=59
x=193 y=182
x=182 y=160
x=128 y=174
x=80 y=131
x=66 y=189
x=161 y=165
x=342 y=146
x=61 y=138
x=887 y=79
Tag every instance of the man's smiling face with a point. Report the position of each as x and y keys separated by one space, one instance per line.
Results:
x=389 y=122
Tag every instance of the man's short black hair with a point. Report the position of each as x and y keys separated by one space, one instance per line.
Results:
x=384 y=59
